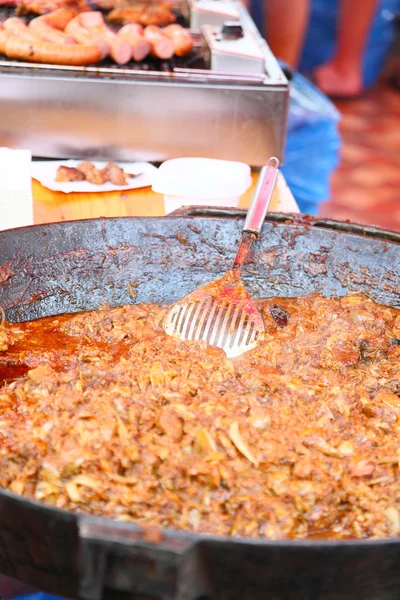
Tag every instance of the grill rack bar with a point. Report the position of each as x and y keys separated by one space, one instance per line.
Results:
x=175 y=73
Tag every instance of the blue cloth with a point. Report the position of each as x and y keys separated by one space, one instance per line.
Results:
x=313 y=145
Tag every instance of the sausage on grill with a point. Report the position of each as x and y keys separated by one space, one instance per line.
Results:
x=133 y=34
x=181 y=39
x=14 y=26
x=26 y=46
x=160 y=45
x=83 y=36
x=91 y=26
x=51 y=27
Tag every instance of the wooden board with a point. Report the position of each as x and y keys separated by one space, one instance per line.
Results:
x=52 y=206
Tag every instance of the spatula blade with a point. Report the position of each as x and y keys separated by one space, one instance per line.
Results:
x=220 y=314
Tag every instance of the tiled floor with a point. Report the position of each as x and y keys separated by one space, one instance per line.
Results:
x=366 y=187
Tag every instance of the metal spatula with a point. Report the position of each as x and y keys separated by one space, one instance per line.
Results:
x=222 y=312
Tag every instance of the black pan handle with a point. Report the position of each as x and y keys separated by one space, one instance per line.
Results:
x=141 y=562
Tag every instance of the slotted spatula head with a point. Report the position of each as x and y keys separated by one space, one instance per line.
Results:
x=222 y=313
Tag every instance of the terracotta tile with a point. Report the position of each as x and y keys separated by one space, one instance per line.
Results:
x=353 y=197
x=354 y=152
x=392 y=101
x=391 y=138
x=353 y=122
x=374 y=175
x=366 y=186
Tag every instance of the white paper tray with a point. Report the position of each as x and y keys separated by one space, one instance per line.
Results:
x=45 y=171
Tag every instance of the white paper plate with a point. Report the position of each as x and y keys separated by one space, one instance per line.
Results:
x=45 y=172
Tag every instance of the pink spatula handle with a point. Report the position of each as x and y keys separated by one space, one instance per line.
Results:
x=262 y=197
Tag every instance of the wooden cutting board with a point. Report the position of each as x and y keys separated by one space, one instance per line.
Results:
x=52 y=206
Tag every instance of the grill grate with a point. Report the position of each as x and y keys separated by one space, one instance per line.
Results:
x=107 y=68
x=6 y=12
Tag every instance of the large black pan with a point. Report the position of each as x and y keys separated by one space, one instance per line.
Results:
x=74 y=266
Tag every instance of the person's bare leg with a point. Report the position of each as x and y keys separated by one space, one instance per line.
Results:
x=285 y=26
x=342 y=75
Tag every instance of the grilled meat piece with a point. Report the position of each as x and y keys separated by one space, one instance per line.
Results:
x=92 y=174
x=143 y=14
x=87 y=171
x=69 y=174
x=42 y=7
x=105 y=4
x=115 y=174
x=110 y=4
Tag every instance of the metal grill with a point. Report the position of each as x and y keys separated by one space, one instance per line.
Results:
x=195 y=66
x=107 y=68
x=150 y=111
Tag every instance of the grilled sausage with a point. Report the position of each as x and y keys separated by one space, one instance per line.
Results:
x=91 y=19
x=120 y=50
x=3 y=39
x=17 y=27
x=83 y=36
x=23 y=48
x=160 y=45
x=181 y=39
x=133 y=34
x=132 y=28
x=92 y=24
x=51 y=27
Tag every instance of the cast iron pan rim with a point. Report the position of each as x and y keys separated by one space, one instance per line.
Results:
x=293 y=219
x=212 y=212
x=346 y=226
x=197 y=538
